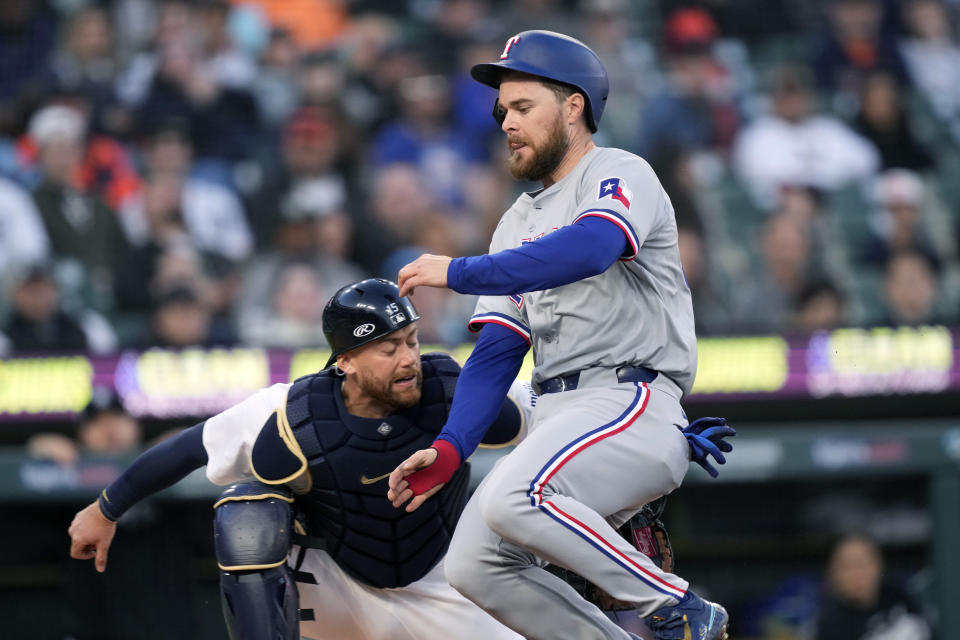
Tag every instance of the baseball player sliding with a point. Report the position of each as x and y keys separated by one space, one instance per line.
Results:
x=586 y=271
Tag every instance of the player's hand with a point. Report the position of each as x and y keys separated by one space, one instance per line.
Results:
x=400 y=490
x=706 y=437
x=90 y=536
x=427 y=270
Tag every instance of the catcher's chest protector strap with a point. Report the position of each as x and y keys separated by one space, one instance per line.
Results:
x=349 y=460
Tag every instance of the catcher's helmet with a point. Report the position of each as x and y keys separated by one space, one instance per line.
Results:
x=362 y=312
x=556 y=57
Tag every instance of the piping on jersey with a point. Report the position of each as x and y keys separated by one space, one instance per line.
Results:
x=501 y=319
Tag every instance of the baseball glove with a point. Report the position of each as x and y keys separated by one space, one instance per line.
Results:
x=648 y=534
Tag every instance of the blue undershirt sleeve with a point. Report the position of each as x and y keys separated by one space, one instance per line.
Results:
x=573 y=253
x=157 y=468
x=482 y=387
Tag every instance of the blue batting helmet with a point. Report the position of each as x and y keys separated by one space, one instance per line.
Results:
x=556 y=57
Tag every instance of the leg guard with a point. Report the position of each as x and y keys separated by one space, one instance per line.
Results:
x=253 y=527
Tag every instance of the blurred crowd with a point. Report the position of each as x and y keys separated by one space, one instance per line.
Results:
x=209 y=172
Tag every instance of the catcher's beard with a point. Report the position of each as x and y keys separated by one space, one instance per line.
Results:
x=383 y=392
x=546 y=158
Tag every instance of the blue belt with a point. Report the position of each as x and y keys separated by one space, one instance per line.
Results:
x=570 y=381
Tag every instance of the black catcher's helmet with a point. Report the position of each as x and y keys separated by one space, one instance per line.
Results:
x=362 y=312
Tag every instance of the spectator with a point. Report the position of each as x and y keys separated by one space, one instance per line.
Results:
x=455 y=25
x=212 y=216
x=84 y=62
x=169 y=21
x=293 y=318
x=186 y=86
x=103 y=428
x=227 y=63
x=629 y=60
x=81 y=227
x=311 y=149
x=883 y=121
x=820 y=306
x=712 y=311
x=859 y=604
x=756 y=22
x=166 y=234
x=376 y=60
x=933 y=57
x=910 y=287
x=696 y=109
x=399 y=202
x=23 y=239
x=551 y=15
x=795 y=146
x=182 y=319
x=855 y=44
x=28 y=30
x=805 y=205
x=423 y=136
x=787 y=265
x=897 y=220
x=275 y=86
x=312 y=230
x=38 y=323
x=105 y=168
x=315 y=24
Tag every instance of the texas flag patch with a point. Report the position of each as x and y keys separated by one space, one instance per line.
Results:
x=614 y=188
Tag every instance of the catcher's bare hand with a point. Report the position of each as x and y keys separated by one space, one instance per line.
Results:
x=400 y=491
x=427 y=270
x=90 y=536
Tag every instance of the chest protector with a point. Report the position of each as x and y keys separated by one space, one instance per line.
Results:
x=348 y=460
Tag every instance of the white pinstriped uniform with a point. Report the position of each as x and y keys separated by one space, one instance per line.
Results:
x=593 y=456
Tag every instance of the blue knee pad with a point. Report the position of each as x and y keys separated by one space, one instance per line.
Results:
x=253 y=528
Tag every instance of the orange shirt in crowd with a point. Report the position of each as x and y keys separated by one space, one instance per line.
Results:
x=313 y=23
x=107 y=169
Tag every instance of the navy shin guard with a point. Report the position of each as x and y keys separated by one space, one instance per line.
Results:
x=252 y=532
x=260 y=605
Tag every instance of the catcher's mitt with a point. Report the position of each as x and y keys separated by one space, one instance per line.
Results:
x=647 y=533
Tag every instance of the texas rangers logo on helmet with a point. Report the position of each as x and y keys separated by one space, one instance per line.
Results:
x=506 y=48
x=614 y=188
x=363 y=330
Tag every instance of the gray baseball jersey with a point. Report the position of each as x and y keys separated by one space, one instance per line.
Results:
x=638 y=312
x=596 y=453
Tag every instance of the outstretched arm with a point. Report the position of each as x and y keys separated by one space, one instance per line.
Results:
x=93 y=528
x=481 y=389
x=575 y=252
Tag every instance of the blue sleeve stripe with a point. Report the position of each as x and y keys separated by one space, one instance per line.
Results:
x=621 y=222
x=501 y=319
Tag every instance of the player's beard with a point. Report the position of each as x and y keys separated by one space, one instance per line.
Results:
x=545 y=158
x=384 y=393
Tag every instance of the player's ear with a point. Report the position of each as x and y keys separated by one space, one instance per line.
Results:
x=344 y=363
x=575 y=104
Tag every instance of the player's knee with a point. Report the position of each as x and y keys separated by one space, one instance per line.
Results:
x=252 y=527
x=460 y=569
x=501 y=505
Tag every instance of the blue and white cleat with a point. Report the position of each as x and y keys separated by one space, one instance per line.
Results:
x=693 y=618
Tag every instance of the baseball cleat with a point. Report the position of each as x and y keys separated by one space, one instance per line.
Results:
x=693 y=618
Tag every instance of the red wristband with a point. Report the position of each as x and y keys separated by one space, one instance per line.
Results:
x=448 y=460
